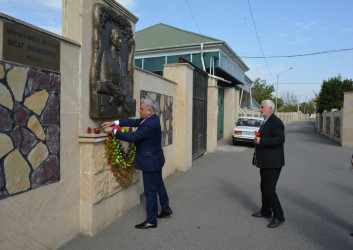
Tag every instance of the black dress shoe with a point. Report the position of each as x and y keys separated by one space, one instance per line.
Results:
x=145 y=225
x=351 y=234
x=275 y=223
x=165 y=214
x=259 y=214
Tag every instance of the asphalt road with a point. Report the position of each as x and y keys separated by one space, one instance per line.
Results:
x=213 y=202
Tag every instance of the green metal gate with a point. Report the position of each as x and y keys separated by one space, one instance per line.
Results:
x=220 y=123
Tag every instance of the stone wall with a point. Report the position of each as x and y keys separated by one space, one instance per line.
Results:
x=39 y=139
x=29 y=128
x=329 y=124
x=286 y=117
x=338 y=124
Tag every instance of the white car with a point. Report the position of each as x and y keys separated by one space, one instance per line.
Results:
x=244 y=130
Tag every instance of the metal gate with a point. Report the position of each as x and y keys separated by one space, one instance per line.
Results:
x=199 y=123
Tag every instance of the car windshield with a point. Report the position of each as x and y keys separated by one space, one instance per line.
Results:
x=249 y=122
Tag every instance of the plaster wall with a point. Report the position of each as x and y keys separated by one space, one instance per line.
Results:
x=182 y=74
x=212 y=115
x=347 y=126
x=229 y=106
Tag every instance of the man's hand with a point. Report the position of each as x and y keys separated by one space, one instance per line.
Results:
x=108 y=130
x=107 y=125
x=257 y=140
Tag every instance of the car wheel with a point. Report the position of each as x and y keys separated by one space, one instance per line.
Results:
x=235 y=142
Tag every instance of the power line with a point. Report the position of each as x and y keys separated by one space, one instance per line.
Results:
x=308 y=54
x=258 y=39
x=306 y=83
x=193 y=16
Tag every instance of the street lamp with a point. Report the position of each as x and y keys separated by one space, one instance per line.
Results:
x=277 y=83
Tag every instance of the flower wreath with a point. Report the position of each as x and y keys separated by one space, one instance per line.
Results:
x=121 y=160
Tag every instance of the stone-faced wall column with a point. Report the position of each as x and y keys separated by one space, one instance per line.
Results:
x=182 y=74
x=347 y=127
x=212 y=115
x=102 y=198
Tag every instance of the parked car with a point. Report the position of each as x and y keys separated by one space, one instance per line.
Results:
x=244 y=130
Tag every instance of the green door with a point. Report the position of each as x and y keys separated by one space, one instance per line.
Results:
x=220 y=124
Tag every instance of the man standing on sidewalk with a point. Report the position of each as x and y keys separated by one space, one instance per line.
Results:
x=269 y=157
x=149 y=159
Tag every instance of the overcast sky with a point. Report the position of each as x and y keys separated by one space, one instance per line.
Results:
x=283 y=28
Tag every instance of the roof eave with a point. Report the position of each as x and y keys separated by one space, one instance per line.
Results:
x=229 y=51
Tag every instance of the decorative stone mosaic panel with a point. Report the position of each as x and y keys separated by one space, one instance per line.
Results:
x=164 y=112
x=29 y=128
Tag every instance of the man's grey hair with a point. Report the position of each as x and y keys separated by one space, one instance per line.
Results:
x=149 y=104
x=269 y=103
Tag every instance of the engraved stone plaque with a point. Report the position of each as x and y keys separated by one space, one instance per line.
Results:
x=26 y=46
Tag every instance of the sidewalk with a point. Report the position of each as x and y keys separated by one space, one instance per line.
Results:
x=207 y=211
x=213 y=202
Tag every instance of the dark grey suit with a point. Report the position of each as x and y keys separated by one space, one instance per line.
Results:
x=270 y=160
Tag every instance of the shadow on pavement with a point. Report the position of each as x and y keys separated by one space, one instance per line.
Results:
x=236 y=193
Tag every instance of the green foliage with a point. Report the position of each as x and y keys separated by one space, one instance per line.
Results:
x=290 y=102
x=331 y=94
x=308 y=107
x=260 y=91
x=289 y=108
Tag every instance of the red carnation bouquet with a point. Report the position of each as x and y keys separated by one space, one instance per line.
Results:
x=254 y=160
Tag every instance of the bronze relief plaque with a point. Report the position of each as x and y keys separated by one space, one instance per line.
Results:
x=112 y=69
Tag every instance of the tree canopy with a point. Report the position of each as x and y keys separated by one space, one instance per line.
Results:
x=331 y=93
x=260 y=91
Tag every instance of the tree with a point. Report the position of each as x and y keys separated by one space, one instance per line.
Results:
x=290 y=102
x=260 y=91
x=331 y=94
x=308 y=107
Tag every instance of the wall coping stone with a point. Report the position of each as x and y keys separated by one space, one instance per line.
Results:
x=92 y=138
x=151 y=73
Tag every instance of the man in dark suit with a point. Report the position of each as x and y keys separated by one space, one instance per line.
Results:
x=270 y=159
x=149 y=159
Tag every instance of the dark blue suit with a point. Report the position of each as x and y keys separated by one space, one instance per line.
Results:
x=150 y=160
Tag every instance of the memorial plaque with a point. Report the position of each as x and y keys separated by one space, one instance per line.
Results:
x=112 y=70
x=29 y=47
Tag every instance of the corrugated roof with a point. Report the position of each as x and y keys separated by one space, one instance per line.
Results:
x=162 y=35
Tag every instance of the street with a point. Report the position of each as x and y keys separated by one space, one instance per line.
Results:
x=213 y=202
